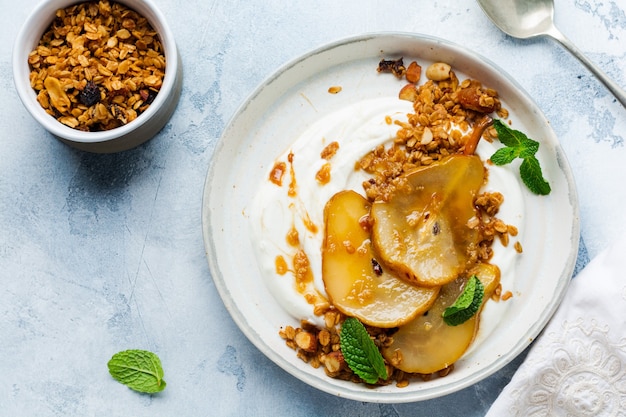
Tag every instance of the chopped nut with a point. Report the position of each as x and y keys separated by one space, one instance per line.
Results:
x=413 y=73
x=334 y=362
x=439 y=71
x=408 y=93
x=306 y=341
x=427 y=136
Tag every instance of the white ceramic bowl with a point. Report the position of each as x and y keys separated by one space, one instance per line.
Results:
x=263 y=128
x=125 y=137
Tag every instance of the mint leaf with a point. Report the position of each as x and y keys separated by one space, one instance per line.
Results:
x=508 y=136
x=528 y=148
x=504 y=156
x=139 y=370
x=530 y=171
x=360 y=352
x=517 y=141
x=467 y=304
x=518 y=145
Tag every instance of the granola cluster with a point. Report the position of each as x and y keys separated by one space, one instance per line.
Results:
x=98 y=66
x=320 y=347
x=445 y=112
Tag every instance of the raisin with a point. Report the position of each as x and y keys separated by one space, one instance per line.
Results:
x=90 y=94
x=378 y=270
x=152 y=93
x=148 y=95
x=396 y=67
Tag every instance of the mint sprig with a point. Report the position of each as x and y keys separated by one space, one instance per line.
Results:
x=360 y=352
x=139 y=370
x=467 y=304
x=518 y=145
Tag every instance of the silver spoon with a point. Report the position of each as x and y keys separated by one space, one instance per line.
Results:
x=526 y=19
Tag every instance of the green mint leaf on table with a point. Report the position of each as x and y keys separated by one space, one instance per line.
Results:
x=139 y=370
x=360 y=352
x=467 y=304
x=518 y=145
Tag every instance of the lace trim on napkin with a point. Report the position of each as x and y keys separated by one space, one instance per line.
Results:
x=586 y=376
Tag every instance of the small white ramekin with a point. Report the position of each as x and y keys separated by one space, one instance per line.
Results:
x=125 y=137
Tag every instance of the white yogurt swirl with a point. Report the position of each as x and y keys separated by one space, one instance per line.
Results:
x=357 y=129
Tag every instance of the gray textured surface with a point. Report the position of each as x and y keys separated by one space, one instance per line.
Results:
x=101 y=253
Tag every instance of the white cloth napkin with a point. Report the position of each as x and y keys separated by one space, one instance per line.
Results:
x=577 y=367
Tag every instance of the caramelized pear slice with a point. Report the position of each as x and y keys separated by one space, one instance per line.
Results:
x=427 y=344
x=354 y=281
x=421 y=232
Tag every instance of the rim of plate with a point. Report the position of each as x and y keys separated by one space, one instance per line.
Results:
x=417 y=391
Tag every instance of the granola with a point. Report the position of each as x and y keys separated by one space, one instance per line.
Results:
x=98 y=66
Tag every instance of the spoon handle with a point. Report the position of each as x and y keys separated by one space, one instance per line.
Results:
x=617 y=91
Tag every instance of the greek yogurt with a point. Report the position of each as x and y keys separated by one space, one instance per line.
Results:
x=290 y=202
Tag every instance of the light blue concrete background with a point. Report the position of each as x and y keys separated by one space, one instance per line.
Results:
x=101 y=253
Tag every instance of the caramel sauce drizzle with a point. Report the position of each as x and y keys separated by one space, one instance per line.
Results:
x=301 y=268
x=281 y=265
x=308 y=223
x=293 y=237
x=292 y=184
x=277 y=173
x=323 y=175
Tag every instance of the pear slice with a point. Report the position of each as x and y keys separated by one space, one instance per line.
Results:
x=354 y=281
x=421 y=232
x=427 y=344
